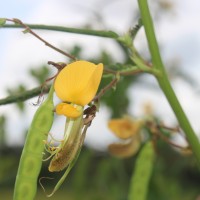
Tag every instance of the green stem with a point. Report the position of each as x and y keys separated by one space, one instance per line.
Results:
x=164 y=81
x=23 y=96
x=99 y=33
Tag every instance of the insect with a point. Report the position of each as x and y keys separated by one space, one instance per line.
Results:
x=31 y=158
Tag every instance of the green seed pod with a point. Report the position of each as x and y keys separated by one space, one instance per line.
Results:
x=142 y=173
x=31 y=158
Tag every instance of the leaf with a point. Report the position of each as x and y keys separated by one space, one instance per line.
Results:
x=16 y=91
x=2 y=21
x=142 y=173
x=27 y=30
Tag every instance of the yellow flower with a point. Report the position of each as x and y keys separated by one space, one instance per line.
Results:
x=129 y=131
x=77 y=85
x=124 y=127
x=125 y=150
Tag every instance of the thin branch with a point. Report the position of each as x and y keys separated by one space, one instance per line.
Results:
x=23 y=96
x=122 y=72
x=162 y=126
x=28 y=29
x=134 y=72
x=105 y=89
x=37 y=91
x=156 y=130
x=167 y=140
x=98 y=33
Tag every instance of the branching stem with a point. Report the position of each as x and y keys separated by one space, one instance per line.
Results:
x=28 y=29
x=97 y=33
x=164 y=81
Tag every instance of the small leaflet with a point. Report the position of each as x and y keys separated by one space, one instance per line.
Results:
x=2 y=21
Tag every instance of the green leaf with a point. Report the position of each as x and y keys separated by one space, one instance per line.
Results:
x=2 y=21
x=16 y=91
x=142 y=173
x=27 y=30
x=40 y=74
x=126 y=40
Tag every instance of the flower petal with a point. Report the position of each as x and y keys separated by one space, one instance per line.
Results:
x=126 y=150
x=68 y=110
x=70 y=146
x=78 y=82
x=124 y=127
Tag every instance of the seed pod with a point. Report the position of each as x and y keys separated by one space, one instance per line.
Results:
x=31 y=158
x=142 y=173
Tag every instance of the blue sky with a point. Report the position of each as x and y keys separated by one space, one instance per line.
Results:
x=178 y=34
x=17 y=9
x=21 y=9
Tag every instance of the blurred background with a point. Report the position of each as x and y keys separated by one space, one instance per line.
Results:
x=23 y=66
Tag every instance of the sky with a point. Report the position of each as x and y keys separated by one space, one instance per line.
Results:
x=178 y=34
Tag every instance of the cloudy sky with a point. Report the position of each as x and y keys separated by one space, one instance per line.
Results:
x=178 y=33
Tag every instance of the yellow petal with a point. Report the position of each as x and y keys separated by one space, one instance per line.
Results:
x=68 y=110
x=126 y=150
x=124 y=127
x=78 y=82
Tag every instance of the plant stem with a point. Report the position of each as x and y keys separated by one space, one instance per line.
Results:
x=28 y=30
x=22 y=96
x=164 y=81
x=99 y=33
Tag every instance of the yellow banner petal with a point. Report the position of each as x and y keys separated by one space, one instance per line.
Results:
x=78 y=82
